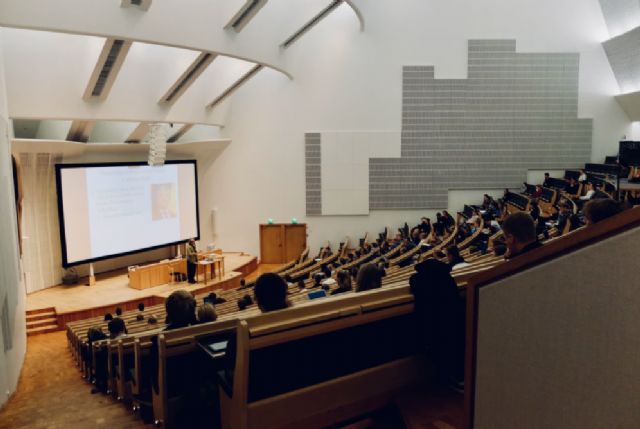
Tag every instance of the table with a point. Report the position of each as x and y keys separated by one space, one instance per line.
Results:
x=211 y=264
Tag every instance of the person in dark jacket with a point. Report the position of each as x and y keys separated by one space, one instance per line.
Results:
x=440 y=314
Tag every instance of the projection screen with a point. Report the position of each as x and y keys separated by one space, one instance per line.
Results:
x=108 y=210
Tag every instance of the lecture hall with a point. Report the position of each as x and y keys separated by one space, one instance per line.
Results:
x=319 y=214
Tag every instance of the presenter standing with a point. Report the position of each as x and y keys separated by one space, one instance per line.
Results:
x=192 y=261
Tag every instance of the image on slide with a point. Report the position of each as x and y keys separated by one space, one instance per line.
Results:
x=163 y=201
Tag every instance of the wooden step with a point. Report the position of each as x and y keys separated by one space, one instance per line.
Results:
x=42 y=330
x=41 y=310
x=52 y=321
x=40 y=316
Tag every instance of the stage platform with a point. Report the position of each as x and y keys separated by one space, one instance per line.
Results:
x=76 y=302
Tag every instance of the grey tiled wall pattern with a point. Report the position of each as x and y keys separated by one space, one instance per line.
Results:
x=516 y=111
x=313 y=175
x=624 y=56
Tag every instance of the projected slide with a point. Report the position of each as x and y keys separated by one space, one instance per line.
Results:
x=108 y=210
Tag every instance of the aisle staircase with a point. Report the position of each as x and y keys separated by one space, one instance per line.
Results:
x=42 y=321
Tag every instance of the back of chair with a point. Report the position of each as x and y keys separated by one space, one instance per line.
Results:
x=293 y=366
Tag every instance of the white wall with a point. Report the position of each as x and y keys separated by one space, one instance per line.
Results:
x=345 y=80
x=11 y=285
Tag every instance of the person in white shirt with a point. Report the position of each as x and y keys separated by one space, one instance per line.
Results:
x=590 y=193
x=583 y=176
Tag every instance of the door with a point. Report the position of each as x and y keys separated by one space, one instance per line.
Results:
x=295 y=241
x=271 y=244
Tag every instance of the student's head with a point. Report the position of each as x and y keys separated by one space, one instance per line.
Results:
x=546 y=175
x=344 y=279
x=538 y=187
x=95 y=333
x=181 y=308
x=192 y=242
x=499 y=249
x=152 y=320
x=590 y=186
x=354 y=272
x=453 y=254
x=241 y=304
x=271 y=292
x=141 y=306
x=212 y=296
x=369 y=277
x=300 y=284
x=108 y=317
x=116 y=327
x=207 y=313
x=423 y=219
x=243 y=282
x=118 y=311
x=519 y=230
x=600 y=209
x=572 y=180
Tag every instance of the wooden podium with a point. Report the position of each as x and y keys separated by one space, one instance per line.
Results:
x=282 y=242
x=146 y=276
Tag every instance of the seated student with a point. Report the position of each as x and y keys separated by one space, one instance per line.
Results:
x=499 y=249
x=207 y=313
x=600 y=209
x=415 y=236
x=181 y=310
x=424 y=242
x=213 y=297
x=547 y=180
x=140 y=316
x=369 y=277
x=344 y=283
x=425 y=225
x=116 y=328
x=519 y=232
x=600 y=193
x=583 y=176
x=449 y=221
x=537 y=193
x=382 y=268
x=572 y=187
x=586 y=197
x=564 y=212
x=454 y=259
x=271 y=292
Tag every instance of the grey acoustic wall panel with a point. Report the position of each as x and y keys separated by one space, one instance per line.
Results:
x=313 y=174
x=624 y=56
x=621 y=15
x=516 y=111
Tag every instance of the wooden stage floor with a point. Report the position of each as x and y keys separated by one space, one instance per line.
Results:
x=112 y=288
